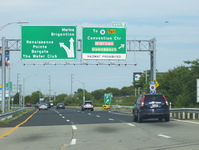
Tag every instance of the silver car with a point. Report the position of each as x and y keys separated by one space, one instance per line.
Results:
x=88 y=105
x=43 y=106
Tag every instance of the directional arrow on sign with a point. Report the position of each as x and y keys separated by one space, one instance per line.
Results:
x=69 y=52
x=122 y=46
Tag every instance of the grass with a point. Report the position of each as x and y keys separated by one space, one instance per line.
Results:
x=5 y=122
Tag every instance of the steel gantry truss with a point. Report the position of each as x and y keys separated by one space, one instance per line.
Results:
x=132 y=46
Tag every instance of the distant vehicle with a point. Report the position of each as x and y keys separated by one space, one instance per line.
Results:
x=43 y=106
x=48 y=104
x=151 y=106
x=51 y=104
x=60 y=106
x=87 y=105
x=37 y=106
x=28 y=105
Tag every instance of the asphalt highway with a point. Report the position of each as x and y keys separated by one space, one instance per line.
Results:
x=73 y=129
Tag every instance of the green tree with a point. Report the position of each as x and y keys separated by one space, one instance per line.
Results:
x=98 y=94
x=176 y=84
x=114 y=91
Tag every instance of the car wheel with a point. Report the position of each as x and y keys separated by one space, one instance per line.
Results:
x=135 y=118
x=167 y=118
x=140 y=118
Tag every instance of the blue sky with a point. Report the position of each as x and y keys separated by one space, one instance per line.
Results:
x=177 y=40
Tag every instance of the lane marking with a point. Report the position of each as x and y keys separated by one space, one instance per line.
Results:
x=74 y=127
x=130 y=124
x=186 y=121
x=68 y=120
x=98 y=116
x=11 y=130
x=110 y=119
x=73 y=142
x=164 y=136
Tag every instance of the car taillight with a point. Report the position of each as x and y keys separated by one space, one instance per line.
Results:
x=142 y=102
x=166 y=101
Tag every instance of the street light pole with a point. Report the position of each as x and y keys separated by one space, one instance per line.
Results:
x=3 y=71
x=3 y=64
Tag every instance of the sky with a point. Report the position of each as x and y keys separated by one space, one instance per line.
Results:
x=174 y=24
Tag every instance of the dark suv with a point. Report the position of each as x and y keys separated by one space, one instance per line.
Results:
x=151 y=106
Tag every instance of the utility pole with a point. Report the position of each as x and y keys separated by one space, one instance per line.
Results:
x=49 y=97
x=72 y=84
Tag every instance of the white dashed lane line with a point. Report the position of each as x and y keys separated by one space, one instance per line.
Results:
x=73 y=142
x=130 y=124
x=164 y=136
x=74 y=127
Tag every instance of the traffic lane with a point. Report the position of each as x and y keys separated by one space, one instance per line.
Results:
x=38 y=137
x=45 y=130
x=94 y=117
x=153 y=133
x=120 y=136
x=179 y=130
x=149 y=135
x=181 y=135
x=46 y=118
x=18 y=120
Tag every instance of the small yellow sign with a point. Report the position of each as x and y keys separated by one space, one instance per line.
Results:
x=156 y=83
x=111 y=31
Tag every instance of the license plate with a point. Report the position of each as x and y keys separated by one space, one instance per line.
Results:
x=154 y=105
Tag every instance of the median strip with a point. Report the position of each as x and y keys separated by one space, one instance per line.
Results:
x=11 y=130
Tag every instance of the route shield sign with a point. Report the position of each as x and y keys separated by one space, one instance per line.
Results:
x=48 y=42
x=103 y=43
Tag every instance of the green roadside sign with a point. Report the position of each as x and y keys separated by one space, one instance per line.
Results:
x=107 y=98
x=103 y=43
x=48 y=42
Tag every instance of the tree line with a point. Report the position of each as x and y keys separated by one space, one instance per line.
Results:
x=177 y=84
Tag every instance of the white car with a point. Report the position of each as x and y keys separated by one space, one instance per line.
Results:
x=43 y=106
x=88 y=105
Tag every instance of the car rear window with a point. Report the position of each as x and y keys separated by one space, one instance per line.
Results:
x=88 y=102
x=156 y=98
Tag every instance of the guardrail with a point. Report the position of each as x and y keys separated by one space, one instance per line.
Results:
x=178 y=113
x=9 y=114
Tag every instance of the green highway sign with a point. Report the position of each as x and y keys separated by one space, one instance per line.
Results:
x=119 y=24
x=107 y=98
x=103 y=43
x=48 y=42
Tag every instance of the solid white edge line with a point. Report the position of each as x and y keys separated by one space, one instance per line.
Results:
x=73 y=142
x=186 y=121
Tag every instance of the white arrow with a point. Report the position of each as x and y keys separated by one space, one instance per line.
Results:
x=121 y=46
x=69 y=52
